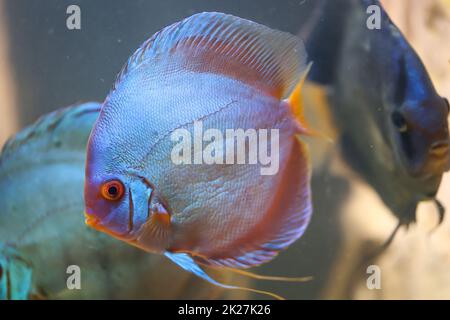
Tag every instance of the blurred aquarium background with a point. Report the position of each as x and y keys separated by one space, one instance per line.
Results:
x=44 y=66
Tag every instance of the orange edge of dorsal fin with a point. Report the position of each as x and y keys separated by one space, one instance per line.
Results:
x=295 y=101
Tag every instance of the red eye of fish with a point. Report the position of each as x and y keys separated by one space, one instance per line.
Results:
x=112 y=190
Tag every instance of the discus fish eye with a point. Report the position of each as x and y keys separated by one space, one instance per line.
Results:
x=112 y=190
x=399 y=121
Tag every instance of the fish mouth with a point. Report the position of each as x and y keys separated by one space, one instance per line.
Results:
x=440 y=148
x=440 y=151
x=95 y=223
x=92 y=221
x=433 y=164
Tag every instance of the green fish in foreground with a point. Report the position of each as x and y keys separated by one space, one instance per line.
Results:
x=42 y=231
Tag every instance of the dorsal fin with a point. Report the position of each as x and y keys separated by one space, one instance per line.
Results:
x=46 y=124
x=224 y=44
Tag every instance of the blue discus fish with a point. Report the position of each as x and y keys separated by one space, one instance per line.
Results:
x=227 y=73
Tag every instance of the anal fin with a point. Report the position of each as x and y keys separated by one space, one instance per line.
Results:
x=186 y=262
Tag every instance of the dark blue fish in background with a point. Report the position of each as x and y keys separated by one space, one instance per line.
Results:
x=393 y=124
